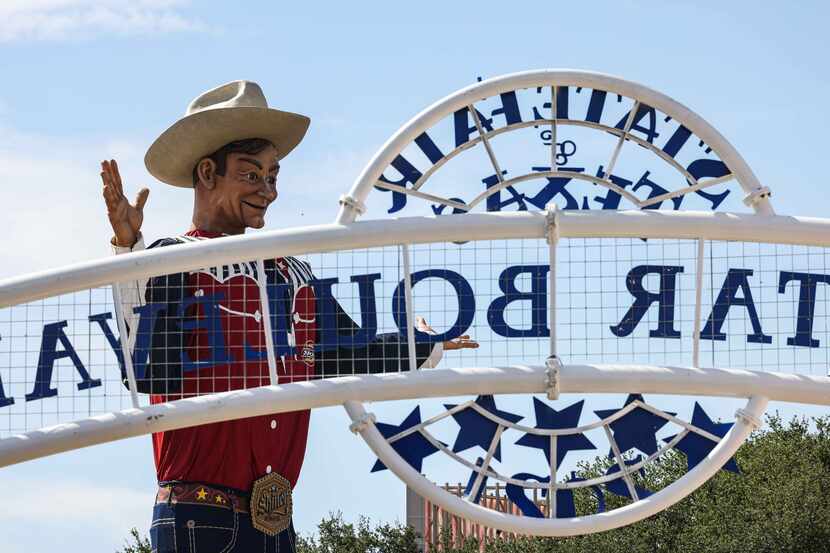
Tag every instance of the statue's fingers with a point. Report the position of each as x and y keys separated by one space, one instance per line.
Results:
x=110 y=197
x=115 y=176
x=111 y=177
x=141 y=198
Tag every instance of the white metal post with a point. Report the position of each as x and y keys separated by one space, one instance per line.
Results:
x=552 y=482
x=126 y=353
x=552 y=217
x=265 y=309
x=410 y=321
x=698 y=296
x=553 y=128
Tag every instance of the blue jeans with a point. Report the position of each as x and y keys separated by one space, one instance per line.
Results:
x=194 y=528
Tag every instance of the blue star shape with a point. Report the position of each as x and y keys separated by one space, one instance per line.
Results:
x=476 y=429
x=413 y=448
x=696 y=447
x=548 y=418
x=618 y=485
x=635 y=429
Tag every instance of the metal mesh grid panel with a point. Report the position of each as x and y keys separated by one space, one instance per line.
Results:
x=763 y=307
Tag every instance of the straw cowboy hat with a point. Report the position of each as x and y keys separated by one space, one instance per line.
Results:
x=231 y=112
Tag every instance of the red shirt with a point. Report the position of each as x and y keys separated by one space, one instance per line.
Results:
x=237 y=452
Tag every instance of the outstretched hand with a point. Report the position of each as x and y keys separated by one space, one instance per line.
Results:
x=125 y=218
x=462 y=342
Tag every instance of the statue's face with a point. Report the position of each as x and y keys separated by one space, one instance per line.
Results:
x=244 y=192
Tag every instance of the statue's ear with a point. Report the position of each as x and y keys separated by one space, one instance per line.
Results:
x=206 y=172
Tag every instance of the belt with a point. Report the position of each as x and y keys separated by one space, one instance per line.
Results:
x=202 y=494
x=270 y=497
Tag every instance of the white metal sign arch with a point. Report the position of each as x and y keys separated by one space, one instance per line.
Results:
x=698 y=244
x=554 y=82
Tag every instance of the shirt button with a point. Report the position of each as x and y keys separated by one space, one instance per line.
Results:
x=268 y=469
x=273 y=424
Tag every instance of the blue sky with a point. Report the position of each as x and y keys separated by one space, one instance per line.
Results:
x=85 y=80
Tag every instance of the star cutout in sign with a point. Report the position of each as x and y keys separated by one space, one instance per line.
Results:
x=413 y=448
x=619 y=487
x=548 y=418
x=476 y=429
x=696 y=447
x=635 y=429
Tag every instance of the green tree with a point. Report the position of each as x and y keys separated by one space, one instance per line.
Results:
x=138 y=544
x=337 y=536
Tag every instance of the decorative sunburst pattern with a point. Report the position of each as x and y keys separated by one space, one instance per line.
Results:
x=632 y=432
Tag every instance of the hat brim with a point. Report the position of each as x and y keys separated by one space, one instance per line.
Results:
x=174 y=154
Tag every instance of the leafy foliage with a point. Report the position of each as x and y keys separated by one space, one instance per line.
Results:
x=337 y=536
x=139 y=543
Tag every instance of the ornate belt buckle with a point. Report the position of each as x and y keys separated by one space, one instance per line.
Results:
x=271 y=504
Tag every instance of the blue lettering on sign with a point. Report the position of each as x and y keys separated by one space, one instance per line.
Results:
x=643 y=300
x=654 y=191
x=701 y=168
x=516 y=494
x=736 y=280
x=596 y=105
x=643 y=123
x=439 y=209
x=101 y=319
x=330 y=336
x=201 y=314
x=561 y=103
x=147 y=316
x=409 y=175
x=808 y=282
x=537 y=298
x=643 y=111
x=465 y=127
x=279 y=305
x=466 y=305
x=53 y=334
x=677 y=141
x=4 y=401
x=211 y=323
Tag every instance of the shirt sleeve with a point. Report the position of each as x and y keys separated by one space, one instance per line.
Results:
x=132 y=292
x=159 y=369
x=387 y=352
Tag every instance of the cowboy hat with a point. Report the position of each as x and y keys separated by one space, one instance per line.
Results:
x=231 y=112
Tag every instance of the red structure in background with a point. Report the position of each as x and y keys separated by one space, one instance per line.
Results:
x=435 y=526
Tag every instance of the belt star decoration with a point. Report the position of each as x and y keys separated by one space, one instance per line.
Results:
x=271 y=504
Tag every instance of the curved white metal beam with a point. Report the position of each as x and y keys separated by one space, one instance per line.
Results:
x=616 y=518
x=409 y=385
x=433 y=114
x=773 y=229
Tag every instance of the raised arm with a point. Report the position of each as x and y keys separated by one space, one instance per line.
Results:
x=125 y=218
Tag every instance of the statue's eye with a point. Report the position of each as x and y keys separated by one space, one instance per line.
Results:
x=251 y=177
x=272 y=180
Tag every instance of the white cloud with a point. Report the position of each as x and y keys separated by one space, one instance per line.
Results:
x=66 y=511
x=27 y=20
x=53 y=210
x=54 y=214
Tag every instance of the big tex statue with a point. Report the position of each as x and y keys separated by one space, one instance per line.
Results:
x=227 y=486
